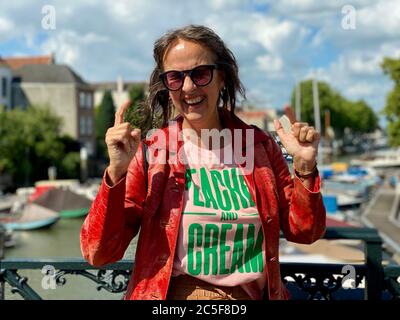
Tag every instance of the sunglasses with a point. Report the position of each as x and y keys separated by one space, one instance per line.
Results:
x=201 y=76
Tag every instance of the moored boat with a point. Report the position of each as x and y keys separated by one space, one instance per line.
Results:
x=32 y=216
x=66 y=202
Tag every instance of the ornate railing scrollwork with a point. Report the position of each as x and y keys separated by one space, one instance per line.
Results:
x=112 y=278
x=19 y=285
x=319 y=285
x=114 y=281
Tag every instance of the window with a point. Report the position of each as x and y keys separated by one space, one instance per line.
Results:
x=4 y=87
x=89 y=126
x=81 y=99
x=89 y=148
x=88 y=101
x=82 y=125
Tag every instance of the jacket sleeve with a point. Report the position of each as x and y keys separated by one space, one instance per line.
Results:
x=115 y=215
x=302 y=212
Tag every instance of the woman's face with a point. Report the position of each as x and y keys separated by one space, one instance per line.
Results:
x=197 y=104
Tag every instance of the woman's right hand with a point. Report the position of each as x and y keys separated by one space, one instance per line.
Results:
x=122 y=143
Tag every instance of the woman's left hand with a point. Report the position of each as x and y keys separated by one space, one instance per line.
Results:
x=301 y=142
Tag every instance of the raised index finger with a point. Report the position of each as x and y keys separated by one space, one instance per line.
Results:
x=119 y=115
x=290 y=114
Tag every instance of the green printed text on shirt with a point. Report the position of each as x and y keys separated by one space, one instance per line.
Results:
x=208 y=249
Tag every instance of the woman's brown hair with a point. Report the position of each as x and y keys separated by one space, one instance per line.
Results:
x=158 y=104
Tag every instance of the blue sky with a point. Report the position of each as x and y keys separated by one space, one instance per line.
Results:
x=275 y=42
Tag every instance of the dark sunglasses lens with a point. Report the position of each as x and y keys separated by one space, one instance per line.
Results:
x=202 y=75
x=173 y=80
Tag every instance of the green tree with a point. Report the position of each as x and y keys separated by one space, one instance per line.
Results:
x=30 y=143
x=139 y=115
x=343 y=113
x=134 y=115
x=391 y=67
x=361 y=118
x=70 y=163
x=105 y=115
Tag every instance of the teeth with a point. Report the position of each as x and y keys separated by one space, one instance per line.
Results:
x=193 y=101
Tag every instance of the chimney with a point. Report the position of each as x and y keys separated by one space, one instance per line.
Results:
x=53 y=57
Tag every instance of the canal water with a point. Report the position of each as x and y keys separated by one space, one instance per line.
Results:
x=60 y=241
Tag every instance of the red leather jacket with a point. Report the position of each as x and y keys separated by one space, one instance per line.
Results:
x=118 y=212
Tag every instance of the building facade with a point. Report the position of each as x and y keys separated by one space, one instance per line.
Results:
x=5 y=84
x=39 y=81
x=119 y=90
x=262 y=118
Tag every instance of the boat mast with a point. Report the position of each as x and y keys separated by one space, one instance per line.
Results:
x=298 y=105
x=317 y=116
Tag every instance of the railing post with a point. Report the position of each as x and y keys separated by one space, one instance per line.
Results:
x=2 y=246
x=374 y=276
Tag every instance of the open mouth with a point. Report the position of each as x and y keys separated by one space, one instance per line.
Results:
x=194 y=101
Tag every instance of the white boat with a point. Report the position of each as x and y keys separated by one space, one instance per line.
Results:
x=382 y=159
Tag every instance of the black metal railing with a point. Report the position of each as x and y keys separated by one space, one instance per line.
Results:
x=304 y=280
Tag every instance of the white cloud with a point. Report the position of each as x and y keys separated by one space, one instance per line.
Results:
x=375 y=23
x=320 y=74
x=361 y=90
x=66 y=49
x=5 y=28
x=313 y=10
x=68 y=45
x=381 y=19
x=363 y=64
x=277 y=36
x=225 y=4
x=358 y=64
x=270 y=63
x=5 y=24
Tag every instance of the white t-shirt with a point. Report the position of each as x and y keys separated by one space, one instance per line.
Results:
x=221 y=239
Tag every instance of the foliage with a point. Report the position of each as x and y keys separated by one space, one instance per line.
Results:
x=70 y=165
x=139 y=114
x=134 y=115
x=105 y=115
x=391 y=67
x=30 y=143
x=104 y=119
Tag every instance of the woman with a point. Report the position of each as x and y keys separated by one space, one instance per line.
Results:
x=209 y=229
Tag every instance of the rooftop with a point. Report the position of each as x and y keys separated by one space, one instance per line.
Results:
x=3 y=63
x=48 y=73
x=16 y=63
